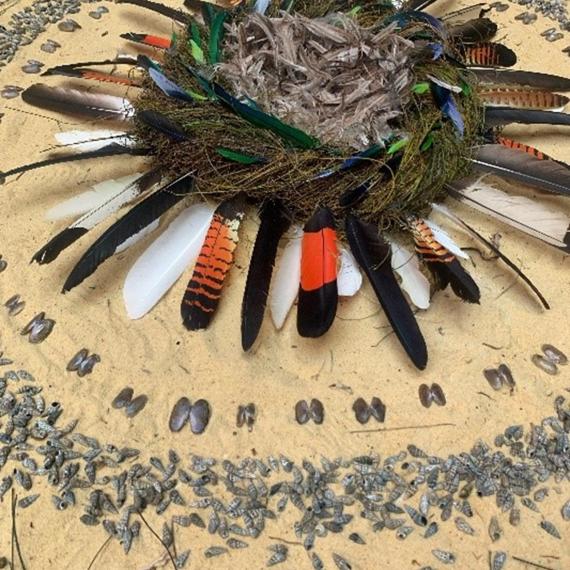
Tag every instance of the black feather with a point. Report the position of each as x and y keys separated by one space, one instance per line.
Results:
x=76 y=102
x=275 y=221
x=51 y=250
x=453 y=274
x=112 y=149
x=373 y=254
x=474 y=31
x=495 y=116
x=62 y=69
x=515 y=78
x=137 y=218
x=158 y=8
x=548 y=175
x=163 y=124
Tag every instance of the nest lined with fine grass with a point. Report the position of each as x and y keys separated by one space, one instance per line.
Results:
x=347 y=80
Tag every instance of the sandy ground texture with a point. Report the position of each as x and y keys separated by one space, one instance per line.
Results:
x=156 y=356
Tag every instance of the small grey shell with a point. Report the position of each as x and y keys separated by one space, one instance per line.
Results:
x=76 y=360
x=123 y=398
x=136 y=405
x=493 y=377
x=544 y=364
x=426 y=396
x=180 y=414
x=378 y=409
x=199 y=416
x=361 y=410
x=554 y=354
x=438 y=395
x=317 y=411
x=302 y=414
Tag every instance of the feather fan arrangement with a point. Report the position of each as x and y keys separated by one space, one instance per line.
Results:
x=342 y=123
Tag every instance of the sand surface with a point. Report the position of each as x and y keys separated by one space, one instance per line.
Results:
x=156 y=356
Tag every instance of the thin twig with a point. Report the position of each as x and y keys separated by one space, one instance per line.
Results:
x=293 y=543
x=14 y=533
x=534 y=564
x=159 y=539
x=426 y=426
x=99 y=552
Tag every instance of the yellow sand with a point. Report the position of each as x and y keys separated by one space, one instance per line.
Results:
x=156 y=356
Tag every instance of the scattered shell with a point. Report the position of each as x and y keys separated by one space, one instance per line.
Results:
x=437 y=394
x=76 y=360
x=95 y=15
x=68 y=25
x=444 y=556
x=506 y=376
x=544 y=364
x=136 y=405
x=378 y=409
x=498 y=560
x=554 y=355
x=550 y=529
x=495 y=530
x=50 y=46
x=14 y=305
x=246 y=416
x=280 y=553
x=493 y=377
x=515 y=517
x=39 y=328
x=215 y=551
x=355 y=537
x=3 y=262
x=236 y=544
x=566 y=511
x=87 y=365
x=25 y=502
x=199 y=416
x=180 y=414
x=33 y=66
x=361 y=410
x=103 y=9
x=181 y=559
x=10 y=92
x=123 y=398
x=302 y=414
x=426 y=396
x=340 y=562
x=317 y=411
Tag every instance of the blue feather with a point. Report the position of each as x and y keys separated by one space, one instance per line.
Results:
x=168 y=87
x=445 y=101
x=409 y=16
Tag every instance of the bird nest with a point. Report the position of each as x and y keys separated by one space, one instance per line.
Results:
x=344 y=82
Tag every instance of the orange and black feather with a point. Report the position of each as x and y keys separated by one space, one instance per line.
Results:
x=275 y=220
x=373 y=254
x=216 y=258
x=522 y=98
x=318 y=292
x=489 y=54
x=92 y=74
x=444 y=265
x=148 y=40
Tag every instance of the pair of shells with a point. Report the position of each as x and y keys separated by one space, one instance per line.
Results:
x=197 y=415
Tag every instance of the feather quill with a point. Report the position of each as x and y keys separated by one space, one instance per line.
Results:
x=546 y=175
x=76 y=102
x=444 y=211
x=95 y=197
x=528 y=216
x=160 y=266
x=285 y=283
x=92 y=140
x=137 y=218
x=349 y=278
x=80 y=227
x=495 y=116
x=374 y=256
x=275 y=221
x=415 y=284
x=516 y=78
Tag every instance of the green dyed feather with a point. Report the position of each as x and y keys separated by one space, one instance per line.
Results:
x=216 y=35
x=236 y=156
x=397 y=146
x=197 y=53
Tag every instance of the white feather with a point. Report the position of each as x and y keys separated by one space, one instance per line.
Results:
x=261 y=6
x=349 y=278
x=526 y=215
x=444 y=84
x=96 y=215
x=443 y=238
x=158 y=268
x=82 y=141
x=413 y=281
x=285 y=282
x=92 y=198
x=147 y=230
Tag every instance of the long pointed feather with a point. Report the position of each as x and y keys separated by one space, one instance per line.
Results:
x=95 y=197
x=213 y=265
x=76 y=102
x=374 y=256
x=108 y=150
x=445 y=239
x=163 y=124
x=275 y=221
x=80 y=227
x=119 y=60
x=168 y=87
x=285 y=283
x=148 y=40
x=547 y=175
x=528 y=216
x=161 y=9
x=443 y=210
x=160 y=266
x=446 y=102
x=495 y=116
x=93 y=140
x=523 y=99
x=516 y=78
x=139 y=236
x=413 y=281
x=133 y=221
x=474 y=31
x=95 y=75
